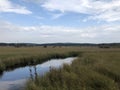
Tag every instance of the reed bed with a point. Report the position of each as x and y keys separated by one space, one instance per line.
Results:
x=96 y=70
x=11 y=57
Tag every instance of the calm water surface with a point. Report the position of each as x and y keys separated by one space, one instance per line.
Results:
x=14 y=80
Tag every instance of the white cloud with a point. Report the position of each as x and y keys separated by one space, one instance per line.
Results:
x=105 y=10
x=8 y=6
x=41 y=34
x=56 y=16
x=66 y=5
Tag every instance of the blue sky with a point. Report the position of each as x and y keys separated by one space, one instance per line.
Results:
x=49 y=21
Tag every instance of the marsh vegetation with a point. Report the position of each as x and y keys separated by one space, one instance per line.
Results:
x=94 y=69
x=11 y=57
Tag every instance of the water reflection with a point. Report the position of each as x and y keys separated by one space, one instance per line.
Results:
x=32 y=72
x=17 y=77
x=1 y=74
x=36 y=75
x=31 y=75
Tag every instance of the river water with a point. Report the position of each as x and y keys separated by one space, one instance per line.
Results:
x=15 y=79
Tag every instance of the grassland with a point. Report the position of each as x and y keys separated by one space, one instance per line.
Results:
x=95 y=69
x=12 y=57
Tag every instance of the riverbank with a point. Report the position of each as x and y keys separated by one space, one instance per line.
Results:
x=21 y=75
x=11 y=57
x=98 y=70
x=95 y=69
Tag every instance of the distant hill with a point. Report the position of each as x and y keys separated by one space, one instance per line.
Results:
x=102 y=45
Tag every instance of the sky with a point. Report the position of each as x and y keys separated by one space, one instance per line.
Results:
x=53 y=21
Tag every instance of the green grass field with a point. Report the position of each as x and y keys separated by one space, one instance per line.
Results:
x=11 y=57
x=94 y=69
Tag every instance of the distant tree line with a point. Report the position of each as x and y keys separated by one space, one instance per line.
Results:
x=102 y=45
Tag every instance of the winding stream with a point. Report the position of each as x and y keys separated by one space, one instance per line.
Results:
x=15 y=79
